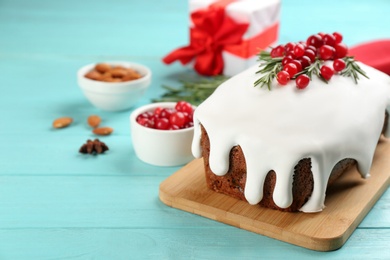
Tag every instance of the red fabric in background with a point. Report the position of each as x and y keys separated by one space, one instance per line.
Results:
x=375 y=54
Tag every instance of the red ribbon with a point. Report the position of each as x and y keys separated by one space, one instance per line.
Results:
x=252 y=46
x=213 y=32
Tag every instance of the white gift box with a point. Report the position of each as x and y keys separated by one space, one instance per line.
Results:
x=263 y=17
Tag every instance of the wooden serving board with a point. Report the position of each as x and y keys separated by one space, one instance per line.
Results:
x=348 y=201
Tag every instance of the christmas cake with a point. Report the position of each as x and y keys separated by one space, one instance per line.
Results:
x=277 y=135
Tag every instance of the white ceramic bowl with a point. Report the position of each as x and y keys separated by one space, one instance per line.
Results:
x=114 y=96
x=160 y=147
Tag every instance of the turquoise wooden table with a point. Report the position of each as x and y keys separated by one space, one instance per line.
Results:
x=58 y=204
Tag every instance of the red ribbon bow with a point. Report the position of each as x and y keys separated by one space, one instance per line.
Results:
x=213 y=31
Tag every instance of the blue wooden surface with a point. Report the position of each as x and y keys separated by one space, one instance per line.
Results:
x=56 y=203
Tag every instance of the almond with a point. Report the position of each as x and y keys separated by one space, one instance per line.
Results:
x=103 y=130
x=94 y=75
x=118 y=72
x=94 y=121
x=62 y=122
x=102 y=67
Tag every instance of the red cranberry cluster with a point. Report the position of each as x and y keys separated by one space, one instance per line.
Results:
x=179 y=117
x=298 y=56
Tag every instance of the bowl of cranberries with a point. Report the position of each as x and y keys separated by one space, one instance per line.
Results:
x=162 y=133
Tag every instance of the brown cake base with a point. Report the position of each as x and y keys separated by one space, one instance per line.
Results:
x=233 y=182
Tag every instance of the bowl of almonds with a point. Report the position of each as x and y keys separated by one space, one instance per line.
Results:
x=114 y=86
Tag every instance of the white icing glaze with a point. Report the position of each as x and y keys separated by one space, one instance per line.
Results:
x=278 y=128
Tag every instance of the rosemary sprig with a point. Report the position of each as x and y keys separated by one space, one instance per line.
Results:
x=313 y=68
x=194 y=92
x=269 y=69
x=271 y=66
x=352 y=69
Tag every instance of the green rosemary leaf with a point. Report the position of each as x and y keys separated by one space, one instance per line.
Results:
x=352 y=69
x=269 y=69
x=309 y=70
x=194 y=92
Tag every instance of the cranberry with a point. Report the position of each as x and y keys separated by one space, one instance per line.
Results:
x=326 y=52
x=302 y=81
x=147 y=123
x=286 y=60
x=305 y=61
x=189 y=117
x=303 y=43
x=299 y=50
x=291 y=69
x=291 y=56
x=311 y=54
x=329 y=39
x=166 y=113
x=298 y=64
x=341 y=50
x=289 y=47
x=338 y=37
x=154 y=118
x=326 y=72
x=147 y=114
x=277 y=51
x=162 y=124
x=283 y=77
x=310 y=47
x=183 y=106
x=157 y=110
x=141 y=120
x=189 y=124
x=338 y=65
x=315 y=40
x=177 y=118
x=173 y=127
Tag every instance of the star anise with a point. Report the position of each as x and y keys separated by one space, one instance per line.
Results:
x=93 y=147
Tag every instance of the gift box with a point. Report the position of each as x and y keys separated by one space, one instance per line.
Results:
x=226 y=35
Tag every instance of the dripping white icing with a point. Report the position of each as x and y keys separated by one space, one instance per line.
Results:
x=277 y=128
